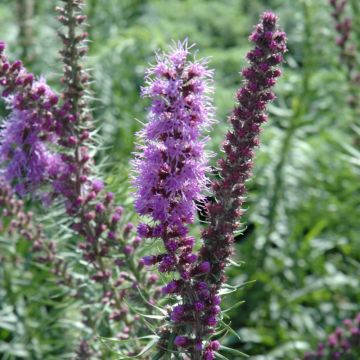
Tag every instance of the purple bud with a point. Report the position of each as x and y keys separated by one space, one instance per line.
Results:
x=216 y=309
x=177 y=313
x=153 y=278
x=97 y=185
x=115 y=218
x=150 y=260
x=189 y=258
x=143 y=230
x=204 y=267
x=198 y=345
x=17 y=65
x=181 y=341
x=209 y=355
x=109 y=197
x=170 y=288
x=99 y=208
x=128 y=228
x=111 y=235
x=215 y=345
x=137 y=241
x=199 y=306
x=89 y=216
x=185 y=275
x=211 y=321
x=216 y=300
x=128 y=249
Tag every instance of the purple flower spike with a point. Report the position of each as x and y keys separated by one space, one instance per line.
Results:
x=25 y=159
x=171 y=164
x=342 y=343
x=246 y=119
x=269 y=47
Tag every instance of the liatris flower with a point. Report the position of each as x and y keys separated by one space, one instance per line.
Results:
x=23 y=92
x=171 y=165
x=107 y=246
x=239 y=145
x=343 y=343
x=25 y=158
x=93 y=211
x=37 y=120
x=235 y=169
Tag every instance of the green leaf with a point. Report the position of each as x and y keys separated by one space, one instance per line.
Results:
x=233 y=263
x=230 y=329
x=233 y=351
x=233 y=306
x=219 y=356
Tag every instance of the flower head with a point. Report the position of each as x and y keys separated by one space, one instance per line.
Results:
x=25 y=159
x=171 y=164
x=342 y=343
x=246 y=118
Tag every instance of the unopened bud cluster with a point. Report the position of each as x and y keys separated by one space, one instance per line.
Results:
x=343 y=343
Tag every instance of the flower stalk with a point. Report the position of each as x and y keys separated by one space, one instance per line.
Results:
x=63 y=126
x=235 y=169
x=343 y=343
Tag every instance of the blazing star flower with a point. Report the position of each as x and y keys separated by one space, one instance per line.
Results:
x=171 y=166
x=171 y=163
x=240 y=142
x=26 y=161
x=342 y=343
x=235 y=169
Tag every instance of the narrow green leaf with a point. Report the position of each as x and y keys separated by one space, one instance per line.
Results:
x=233 y=351
x=234 y=306
x=219 y=356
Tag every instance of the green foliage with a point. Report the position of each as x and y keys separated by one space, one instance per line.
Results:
x=301 y=244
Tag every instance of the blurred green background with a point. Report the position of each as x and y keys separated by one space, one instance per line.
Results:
x=301 y=230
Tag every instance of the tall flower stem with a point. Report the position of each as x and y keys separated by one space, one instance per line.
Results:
x=107 y=246
x=171 y=167
x=75 y=135
x=235 y=168
x=343 y=343
x=110 y=245
x=166 y=191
